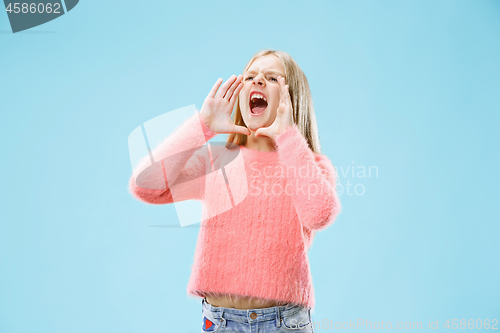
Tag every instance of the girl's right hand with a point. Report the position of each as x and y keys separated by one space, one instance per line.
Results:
x=218 y=106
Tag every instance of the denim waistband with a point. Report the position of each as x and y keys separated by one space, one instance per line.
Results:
x=245 y=315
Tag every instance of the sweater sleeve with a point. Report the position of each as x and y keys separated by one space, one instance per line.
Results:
x=311 y=180
x=175 y=170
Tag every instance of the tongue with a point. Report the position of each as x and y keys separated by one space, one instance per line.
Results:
x=258 y=109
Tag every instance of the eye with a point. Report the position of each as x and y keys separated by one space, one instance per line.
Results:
x=273 y=78
x=248 y=78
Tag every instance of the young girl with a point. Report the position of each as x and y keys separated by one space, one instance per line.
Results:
x=259 y=218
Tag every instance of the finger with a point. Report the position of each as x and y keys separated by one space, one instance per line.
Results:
x=236 y=93
x=286 y=95
x=282 y=90
x=223 y=90
x=233 y=86
x=242 y=130
x=280 y=81
x=215 y=87
x=263 y=131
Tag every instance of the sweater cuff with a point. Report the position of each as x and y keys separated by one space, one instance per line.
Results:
x=290 y=135
x=206 y=130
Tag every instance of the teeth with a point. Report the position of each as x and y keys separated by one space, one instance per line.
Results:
x=259 y=96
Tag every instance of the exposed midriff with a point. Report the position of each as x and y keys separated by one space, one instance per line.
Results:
x=244 y=303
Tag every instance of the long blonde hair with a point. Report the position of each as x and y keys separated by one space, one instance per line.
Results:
x=302 y=104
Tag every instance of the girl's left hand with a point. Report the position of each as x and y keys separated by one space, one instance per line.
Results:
x=284 y=116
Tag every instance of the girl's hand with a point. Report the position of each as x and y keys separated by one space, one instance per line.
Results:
x=218 y=106
x=284 y=115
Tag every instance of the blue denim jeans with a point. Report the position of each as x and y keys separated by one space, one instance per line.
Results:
x=286 y=318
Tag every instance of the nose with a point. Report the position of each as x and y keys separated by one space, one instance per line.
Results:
x=259 y=79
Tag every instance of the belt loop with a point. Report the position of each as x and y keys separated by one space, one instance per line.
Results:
x=222 y=319
x=278 y=316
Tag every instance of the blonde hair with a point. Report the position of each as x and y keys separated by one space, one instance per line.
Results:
x=302 y=104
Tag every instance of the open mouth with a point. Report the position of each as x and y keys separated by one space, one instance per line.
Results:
x=258 y=104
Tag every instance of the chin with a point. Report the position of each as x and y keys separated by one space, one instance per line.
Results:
x=254 y=123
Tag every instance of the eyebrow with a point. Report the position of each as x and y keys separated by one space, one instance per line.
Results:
x=267 y=72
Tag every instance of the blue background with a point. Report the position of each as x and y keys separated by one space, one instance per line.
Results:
x=410 y=88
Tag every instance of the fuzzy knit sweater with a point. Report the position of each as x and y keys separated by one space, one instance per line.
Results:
x=260 y=210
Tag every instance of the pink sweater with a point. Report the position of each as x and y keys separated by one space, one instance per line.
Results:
x=256 y=230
